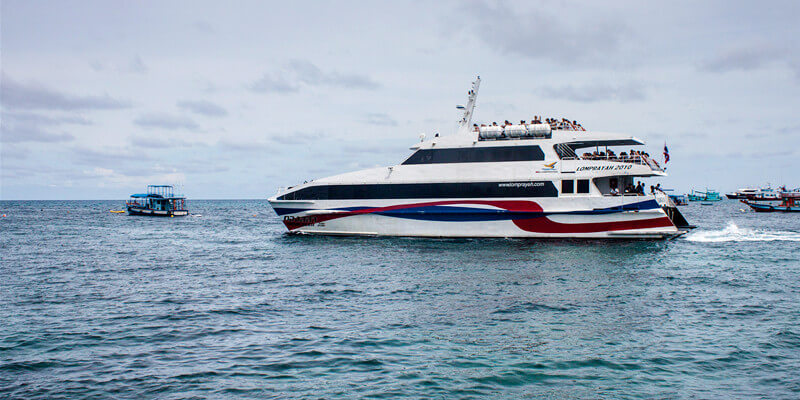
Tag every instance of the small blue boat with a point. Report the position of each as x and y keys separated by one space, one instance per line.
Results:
x=159 y=201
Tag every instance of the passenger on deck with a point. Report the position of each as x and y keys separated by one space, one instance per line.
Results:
x=629 y=188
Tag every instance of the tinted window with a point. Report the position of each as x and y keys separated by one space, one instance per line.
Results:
x=424 y=191
x=476 y=154
x=567 y=186
x=583 y=186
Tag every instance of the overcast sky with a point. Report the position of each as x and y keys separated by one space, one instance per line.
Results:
x=235 y=99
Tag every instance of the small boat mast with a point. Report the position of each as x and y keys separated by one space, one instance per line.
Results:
x=466 y=119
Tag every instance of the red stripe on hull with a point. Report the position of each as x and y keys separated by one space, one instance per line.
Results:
x=545 y=225
x=534 y=225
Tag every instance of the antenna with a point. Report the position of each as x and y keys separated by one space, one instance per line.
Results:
x=466 y=119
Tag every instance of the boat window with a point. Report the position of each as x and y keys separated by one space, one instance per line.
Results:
x=476 y=154
x=583 y=186
x=424 y=191
x=568 y=186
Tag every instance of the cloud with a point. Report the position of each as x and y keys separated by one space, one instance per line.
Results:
x=311 y=75
x=39 y=119
x=380 y=119
x=298 y=137
x=17 y=127
x=270 y=83
x=16 y=95
x=204 y=27
x=203 y=107
x=136 y=65
x=244 y=146
x=165 y=121
x=753 y=56
x=595 y=92
x=301 y=73
x=108 y=156
x=563 y=39
x=150 y=142
x=18 y=134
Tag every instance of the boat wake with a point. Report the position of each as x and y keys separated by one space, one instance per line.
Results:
x=733 y=233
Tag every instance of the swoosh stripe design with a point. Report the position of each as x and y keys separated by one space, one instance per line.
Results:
x=526 y=215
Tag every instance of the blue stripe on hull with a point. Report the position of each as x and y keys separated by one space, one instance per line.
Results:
x=472 y=214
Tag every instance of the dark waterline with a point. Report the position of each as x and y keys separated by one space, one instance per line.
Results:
x=226 y=305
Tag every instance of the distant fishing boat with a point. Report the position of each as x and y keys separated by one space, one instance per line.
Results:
x=790 y=202
x=708 y=195
x=159 y=201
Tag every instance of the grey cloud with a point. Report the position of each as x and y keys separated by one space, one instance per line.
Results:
x=380 y=119
x=149 y=142
x=744 y=58
x=204 y=27
x=302 y=73
x=165 y=121
x=19 y=127
x=751 y=57
x=297 y=137
x=269 y=83
x=18 y=134
x=203 y=107
x=244 y=146
x=539 y=35
x=108 y=156
x=596 y=92
x=310 y=74
x=16 y=95
x=40 y=119
x=137 y=65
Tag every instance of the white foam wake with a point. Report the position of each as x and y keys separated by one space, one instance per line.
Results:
x=733 y=233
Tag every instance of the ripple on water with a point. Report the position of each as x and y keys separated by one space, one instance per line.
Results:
x=226 y=305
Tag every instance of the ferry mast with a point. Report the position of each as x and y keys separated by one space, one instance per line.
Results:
x=466 y=119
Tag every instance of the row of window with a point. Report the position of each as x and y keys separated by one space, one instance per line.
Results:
x=568 y=186
x=476 y=154
x=437 y=190
x=475 y=190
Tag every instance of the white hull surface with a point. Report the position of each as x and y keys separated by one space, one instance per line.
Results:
x=612 y=217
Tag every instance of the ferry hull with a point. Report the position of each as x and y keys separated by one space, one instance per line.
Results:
x=635 y=218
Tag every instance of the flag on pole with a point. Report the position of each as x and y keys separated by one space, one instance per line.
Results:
x=666 y=153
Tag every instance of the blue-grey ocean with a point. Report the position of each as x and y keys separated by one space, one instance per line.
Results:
x=226 y=305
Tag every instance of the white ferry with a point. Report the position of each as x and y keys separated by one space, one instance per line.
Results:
x=518 y=180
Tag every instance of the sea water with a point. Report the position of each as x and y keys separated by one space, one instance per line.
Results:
x=227 y=305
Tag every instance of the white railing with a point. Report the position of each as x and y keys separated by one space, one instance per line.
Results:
x=636 y=159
